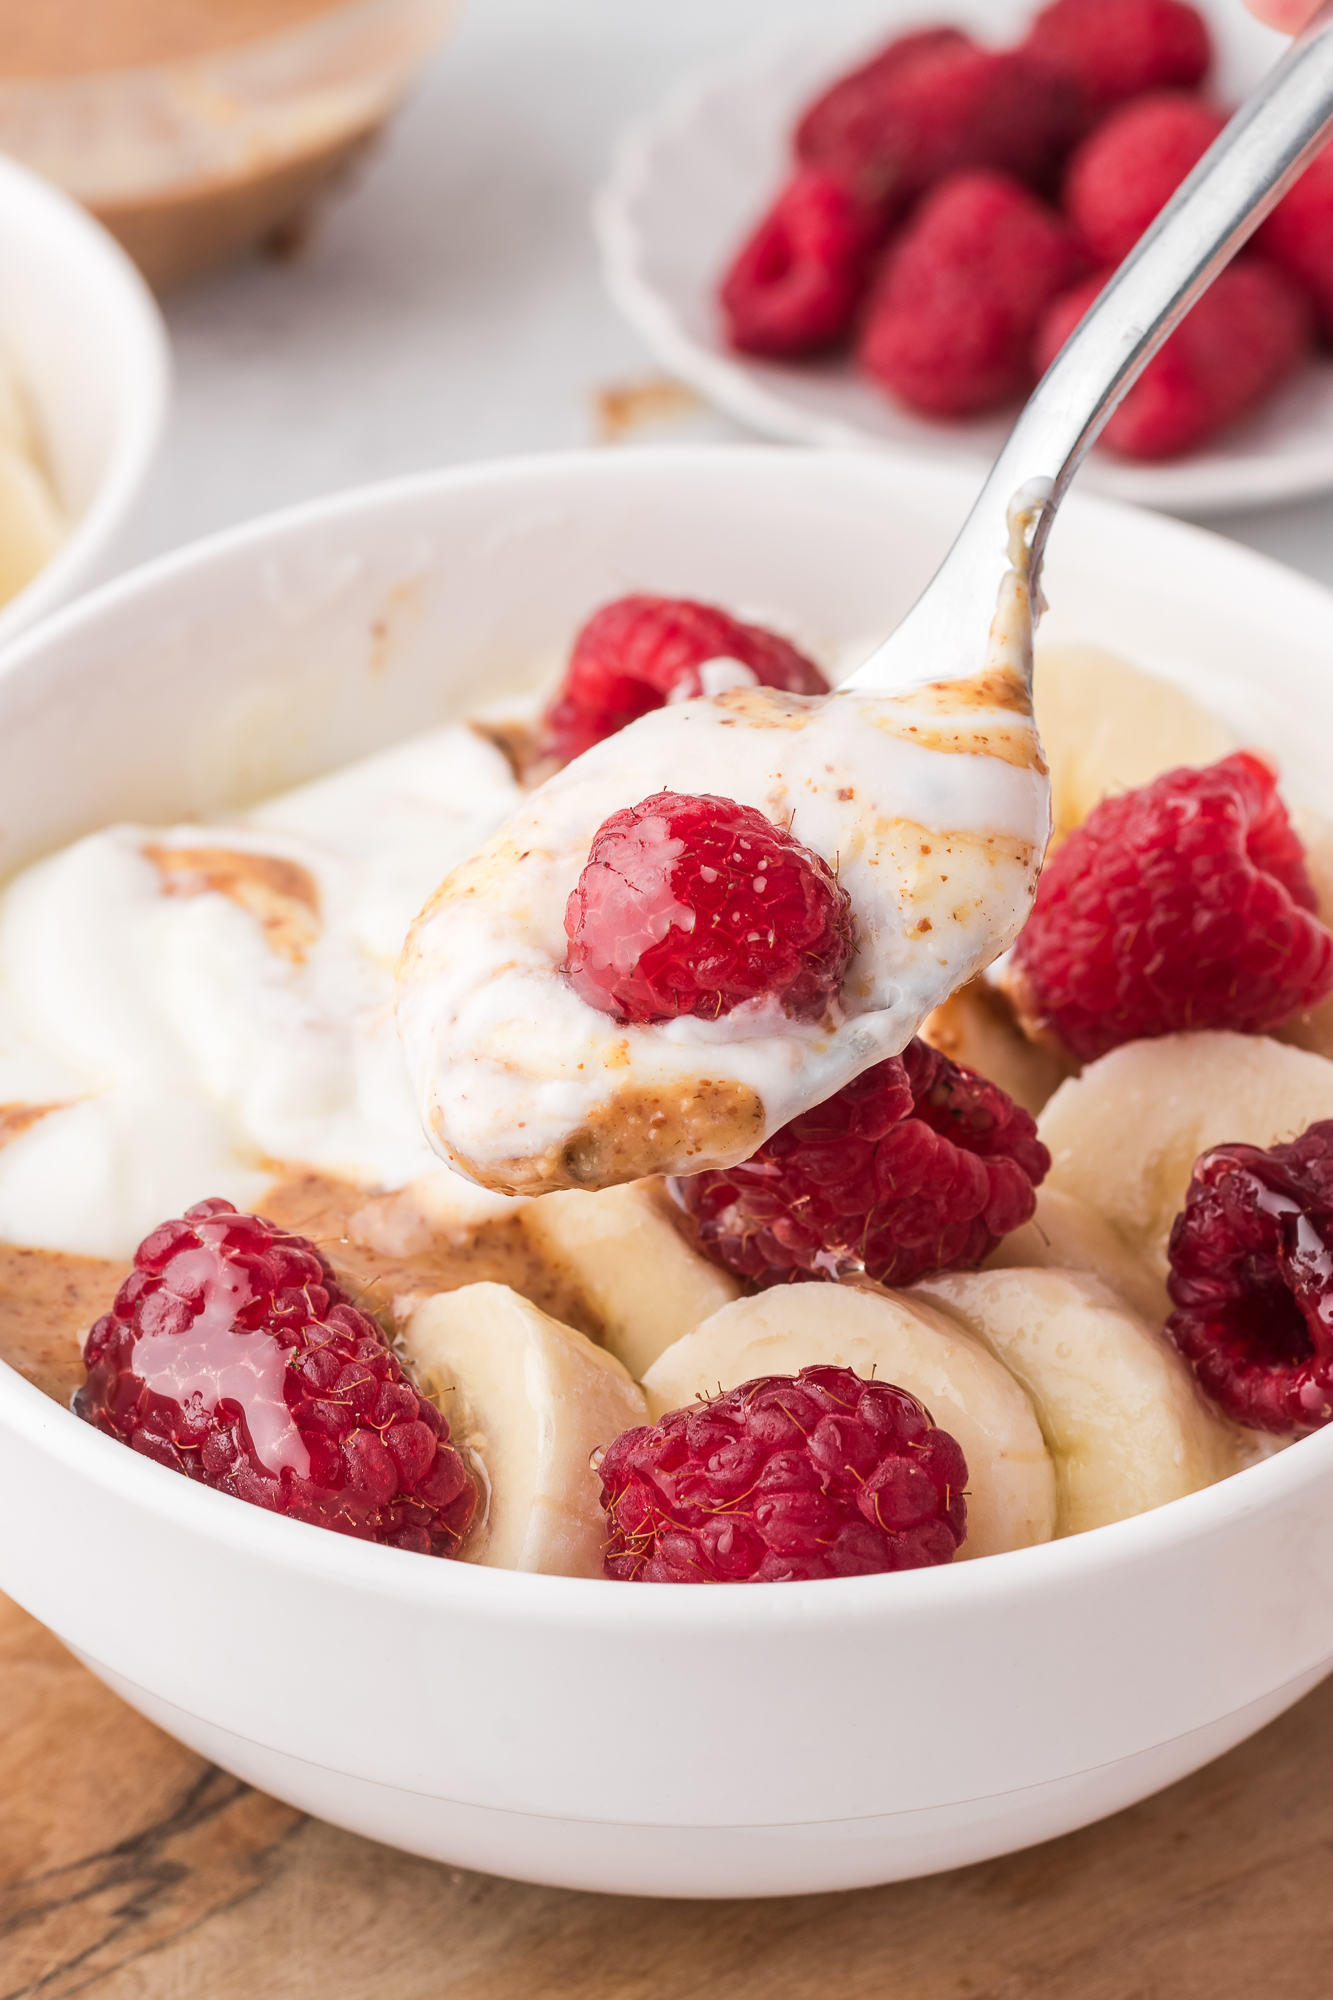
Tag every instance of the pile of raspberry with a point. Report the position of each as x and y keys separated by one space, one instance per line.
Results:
x=1252 y=1281
x=787 y=1478
x=233 y=1355
x=953 y=210
x=918 y=1165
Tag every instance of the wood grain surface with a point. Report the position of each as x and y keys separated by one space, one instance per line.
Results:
x=131 y=1870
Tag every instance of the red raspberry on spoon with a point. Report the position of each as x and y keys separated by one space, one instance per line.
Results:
x=1183 y=904
x=641 y=652
x=697 y=905
x=917 y=1165
x=1252 y=1281
x=784 y=1479
x=233 y=1355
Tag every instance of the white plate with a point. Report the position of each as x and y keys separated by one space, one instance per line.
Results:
x=90 y=349
x=689 y=182
x=748 y=1739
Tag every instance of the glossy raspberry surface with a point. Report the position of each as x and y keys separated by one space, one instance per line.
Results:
x=917 y=1165
x=1129 y=168
x=787 y=1478
x=796 y=283
x=934 y=103
x=1123 y=49
x=233 y=1355
x=1248 y=333
x=1252 y=1281
x=697 y=905
x=1183 y=904
x=640 y=652
x=950 y=326
x=1298 y=237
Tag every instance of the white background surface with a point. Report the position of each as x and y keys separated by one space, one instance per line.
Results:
x=448 y=306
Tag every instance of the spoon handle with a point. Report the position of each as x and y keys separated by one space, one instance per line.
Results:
x=1239 y=179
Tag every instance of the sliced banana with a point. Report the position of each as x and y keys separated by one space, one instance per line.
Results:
x=977 y=1025
x=1011 y=1480
x=1066 y=1234
x=1124 y=1136
x=1125 y=1424
x=1107 y=726
x=1314 y=1030
x=530 y=1399
x=641 y=1283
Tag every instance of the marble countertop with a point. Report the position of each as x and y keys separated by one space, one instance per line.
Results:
x=447 y=305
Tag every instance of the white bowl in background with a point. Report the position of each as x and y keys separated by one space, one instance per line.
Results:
x=690 y=181
x=737 y=1740
x=88 y=344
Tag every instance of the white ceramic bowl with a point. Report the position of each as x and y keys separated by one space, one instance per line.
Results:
x=89 y=345
x=741 y=1740
x=689 y=182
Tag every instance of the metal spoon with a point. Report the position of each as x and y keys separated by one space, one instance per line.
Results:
x=1238 y=180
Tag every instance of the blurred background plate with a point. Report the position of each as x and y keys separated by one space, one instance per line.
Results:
x=690 y=180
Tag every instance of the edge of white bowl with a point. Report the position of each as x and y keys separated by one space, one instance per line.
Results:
x=134 y=321
x=393 y=1573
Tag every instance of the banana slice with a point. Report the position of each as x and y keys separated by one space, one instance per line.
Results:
x=1107 y=726
x=530 y=1399
x=1124 y=1136
x=1066 y=1234
x=978 y=1026
x=642 y=1285
x=1119 y=1409
x=1011 y=1481
x=1315 y=1029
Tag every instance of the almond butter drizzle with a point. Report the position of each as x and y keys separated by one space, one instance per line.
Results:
x=16 y=1119
x=281 y=895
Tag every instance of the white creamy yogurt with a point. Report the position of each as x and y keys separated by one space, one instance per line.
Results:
x=932 y=806
x=185 y=1011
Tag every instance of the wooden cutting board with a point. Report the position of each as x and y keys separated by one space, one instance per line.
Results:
x=132 y=1870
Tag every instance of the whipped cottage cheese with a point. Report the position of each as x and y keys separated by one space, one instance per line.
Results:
x=185 y=1010
x=933 y=808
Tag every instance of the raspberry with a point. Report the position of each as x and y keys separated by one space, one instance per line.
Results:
x=233 y=1355
x=951 y=323
x=917 y=1165
x=1184 y=904
x=1120 y=177
x=795 y=285
x=932 y=104
x=1298 y=236
x=1247 y=333
x=787 y=1478
x=1252 y=1281
x=1123 y=49
x=641 y=652
x=696 y=905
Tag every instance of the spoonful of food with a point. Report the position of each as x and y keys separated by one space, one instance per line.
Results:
x=714 y=919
